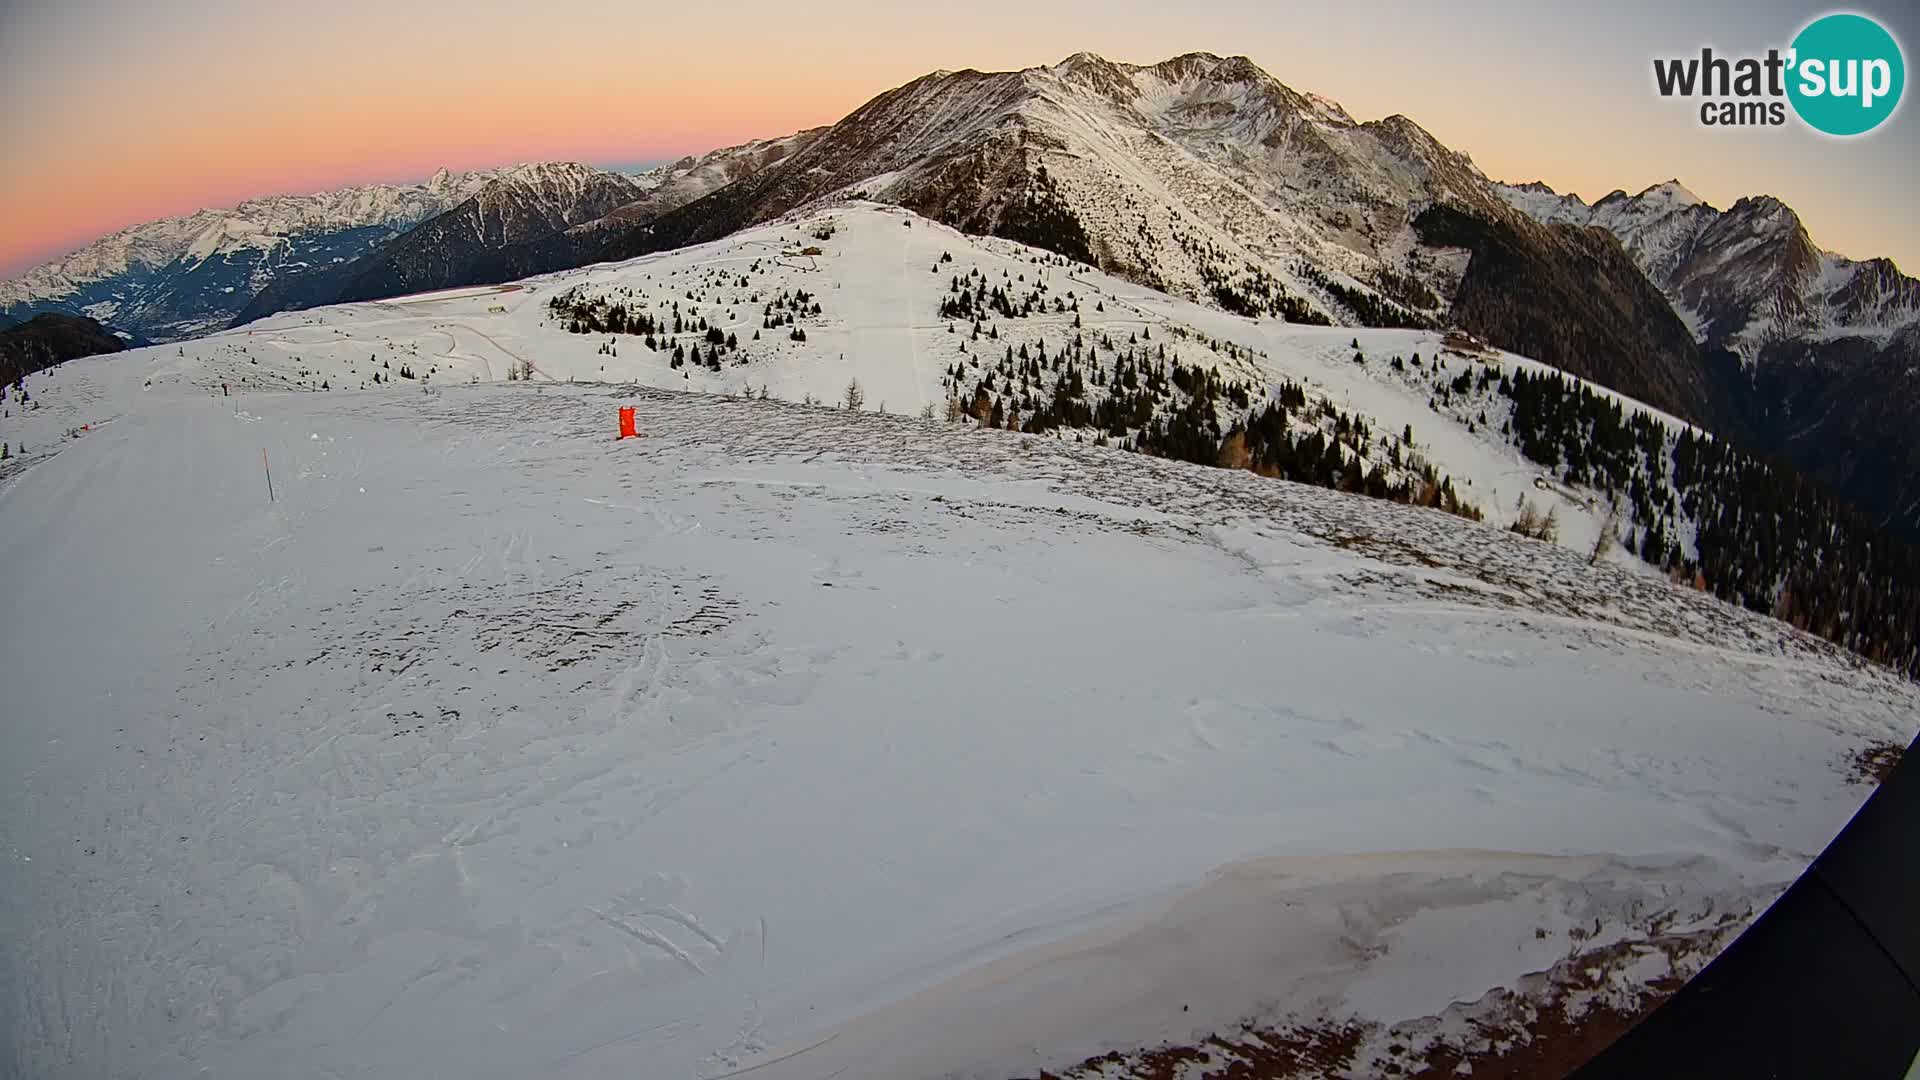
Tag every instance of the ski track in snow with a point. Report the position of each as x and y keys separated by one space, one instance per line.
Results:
x=886 y=331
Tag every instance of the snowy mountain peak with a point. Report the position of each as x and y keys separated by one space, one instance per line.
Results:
x=1200 y=174
x=1414 y=142
x=560 y=192
x=1208 y=66
x=1080 y=61
x=548 y=172
x=1096 y=73
x=1765 y=211
x=1671 y=192
x=1192 y=80
x=1332 y=110
x=1617 y=196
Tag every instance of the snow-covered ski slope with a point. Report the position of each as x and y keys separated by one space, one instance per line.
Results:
x=879 y=280
x=815 y=744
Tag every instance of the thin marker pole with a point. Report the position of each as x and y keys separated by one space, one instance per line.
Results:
x=269 y=468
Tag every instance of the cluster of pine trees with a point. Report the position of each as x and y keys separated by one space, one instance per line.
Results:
x=1250 y=290
x=1588 y=437
x=1137 y=395
x=1405 y=289
x=1040 y=217
x=717 y=346
x=1764 y=536
x=1370 y=308
x=1258 y=294
x=684 y=334
x=584 y=314
x=1268 y=444
x=969 y=298
x=784 y=308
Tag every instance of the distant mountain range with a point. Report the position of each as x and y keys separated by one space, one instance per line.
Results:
x=1745 y=278
x=1202 y=176
x=190 y=275
x=1816 y=356
x=456 y=247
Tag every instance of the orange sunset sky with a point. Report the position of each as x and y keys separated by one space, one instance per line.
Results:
x=116 y=113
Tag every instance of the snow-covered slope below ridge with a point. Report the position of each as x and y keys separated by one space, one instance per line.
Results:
x=808 y=742
x=880 y=281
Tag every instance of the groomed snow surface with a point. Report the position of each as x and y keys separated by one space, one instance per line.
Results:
x=813 y=744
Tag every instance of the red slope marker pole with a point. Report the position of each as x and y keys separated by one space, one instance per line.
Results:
x=269 y=469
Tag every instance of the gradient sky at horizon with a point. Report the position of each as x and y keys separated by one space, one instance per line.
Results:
x=116 y=113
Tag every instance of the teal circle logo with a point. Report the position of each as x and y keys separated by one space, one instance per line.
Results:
x=1847 y=74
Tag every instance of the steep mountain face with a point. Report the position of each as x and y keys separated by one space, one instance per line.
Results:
x=189 y=275
x=1572 y=297
x=1843 y=410
x=48 y=339
x=1205 y=177
x=1811 y=354
x=672 y=186
x=1200 y=175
